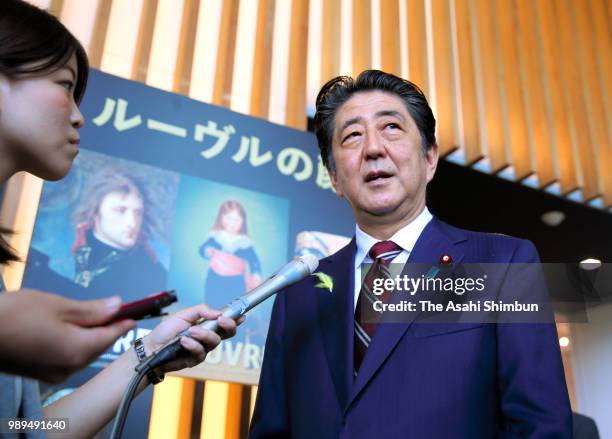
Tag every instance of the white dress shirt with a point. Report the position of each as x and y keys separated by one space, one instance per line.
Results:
x=405 y=237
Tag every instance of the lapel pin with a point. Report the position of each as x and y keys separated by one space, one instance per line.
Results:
x=325 y=281
x=446 y=259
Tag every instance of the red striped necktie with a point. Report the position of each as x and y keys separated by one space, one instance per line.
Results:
x=366 y=318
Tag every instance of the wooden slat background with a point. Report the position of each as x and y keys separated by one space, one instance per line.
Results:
x=362 y=35
x=391 y=60
x=521 y=83
x=468 y=117
x=260 y=94
x=512 y=86
x=540 y=137
x=551 y=55
x=417 y=44
x=225 y=53
x=140 y=64
x=492 y=124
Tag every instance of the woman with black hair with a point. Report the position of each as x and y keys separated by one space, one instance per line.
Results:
x=43 y=74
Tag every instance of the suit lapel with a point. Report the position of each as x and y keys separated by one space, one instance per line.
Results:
x=336 y=318
x=433 y=243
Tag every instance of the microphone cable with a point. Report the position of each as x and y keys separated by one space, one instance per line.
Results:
x=171 y=351
x=124 y=405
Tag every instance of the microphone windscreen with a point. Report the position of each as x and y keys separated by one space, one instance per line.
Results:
x=311 y=262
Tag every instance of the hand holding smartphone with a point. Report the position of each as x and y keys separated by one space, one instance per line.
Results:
x=148 y=307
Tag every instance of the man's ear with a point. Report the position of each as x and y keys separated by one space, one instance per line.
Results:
x=431 y=159
x=334 y=182
x=4 y=86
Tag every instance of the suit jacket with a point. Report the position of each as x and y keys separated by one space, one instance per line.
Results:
x=584 y=427
x=417 y=380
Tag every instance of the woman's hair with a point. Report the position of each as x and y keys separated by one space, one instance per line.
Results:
x=226 y=207
x=32 y=42
x=7 y=253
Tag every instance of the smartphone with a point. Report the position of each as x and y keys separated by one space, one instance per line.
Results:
x=149 y=307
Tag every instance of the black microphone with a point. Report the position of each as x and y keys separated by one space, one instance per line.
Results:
x=292 y=272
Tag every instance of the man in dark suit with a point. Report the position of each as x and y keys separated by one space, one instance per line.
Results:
x=327 y=373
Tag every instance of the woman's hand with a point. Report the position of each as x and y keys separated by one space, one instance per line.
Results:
x=92 y=405
x=201 y=341
x=49 y=337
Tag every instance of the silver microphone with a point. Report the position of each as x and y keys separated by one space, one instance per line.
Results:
x=292 y=272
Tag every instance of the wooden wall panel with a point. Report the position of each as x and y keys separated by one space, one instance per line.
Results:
x=390 y=36
x=225 y=54
x=446 y=105
x=540 y=139
x=606 y=159
x=548 y=136
x=298 y=54
x=144 y=42
x=262 y=61
x=55 y=7
x=515 y=115
x=330 y=48
x=253 y=401
x=362 y=36
x=574 y=95
x=593 y=95
x=122 y=38
x=18 y=213
x=165 y=44
x=556 y=106
x=242 y=81
x=184 y=61
x=171 y=410
x=96 y=49
x=221 y=411
x=417 y=44
x=599 y=10
x=603 y=41
x=471 y=141
x=492 y=123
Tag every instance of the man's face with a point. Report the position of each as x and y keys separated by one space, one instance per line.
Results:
x=119 y=218
x=380 y=168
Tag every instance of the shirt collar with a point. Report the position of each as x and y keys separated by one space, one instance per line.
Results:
x=406 y=237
